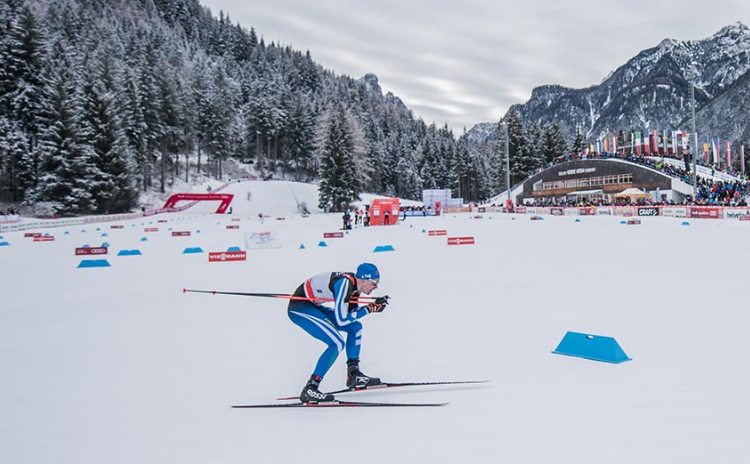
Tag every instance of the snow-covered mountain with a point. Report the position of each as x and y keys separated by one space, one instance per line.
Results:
x=726 y=116
x=482 y=132
x=649 y=91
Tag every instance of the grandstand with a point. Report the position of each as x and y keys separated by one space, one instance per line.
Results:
x=602 y=178
x=599 y=179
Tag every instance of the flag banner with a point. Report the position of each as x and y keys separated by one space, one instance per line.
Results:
x=646 y=145
x=657 y=143
x=606 y=145
x=637 y=142
x=742 y=158
x=729 y=156
x=673 y=144
x=652 y=143
x=705 y=153
x=614 y=144
x=715 y=150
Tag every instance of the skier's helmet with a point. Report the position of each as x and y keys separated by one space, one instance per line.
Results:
x=367 y=271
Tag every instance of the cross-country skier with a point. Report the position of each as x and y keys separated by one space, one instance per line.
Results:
x=324 y=321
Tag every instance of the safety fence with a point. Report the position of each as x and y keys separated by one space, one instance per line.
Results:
x=26 y=224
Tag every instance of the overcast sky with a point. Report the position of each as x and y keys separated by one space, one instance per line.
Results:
x=464 y=62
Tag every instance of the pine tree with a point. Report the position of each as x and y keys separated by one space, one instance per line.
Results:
x=536 y=140
x=553 y=142
x=447 y=166
x=579 y=142
x=14 y=160
x=339 y=185
x=22 y=100
x=135 y=125
x=523 y=161
x=222 y=103
x=67 y=174
x=115 y=189
x=150 y=105
x=464 y=169
x=409 y=184
x=200 y=96
x=487 y=170
x=172 y=136
x=300 y=132
x=363 y=167
x=429 y=160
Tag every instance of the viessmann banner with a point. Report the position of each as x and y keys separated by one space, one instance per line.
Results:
x=226 y=256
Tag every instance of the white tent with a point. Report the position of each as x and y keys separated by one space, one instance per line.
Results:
x=632 y=193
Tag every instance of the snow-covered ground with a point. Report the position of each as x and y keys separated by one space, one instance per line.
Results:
x=117 y=365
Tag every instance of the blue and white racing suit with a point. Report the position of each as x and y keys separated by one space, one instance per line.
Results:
x=329 y=312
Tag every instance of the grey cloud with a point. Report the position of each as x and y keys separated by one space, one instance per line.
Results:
x=467 y=62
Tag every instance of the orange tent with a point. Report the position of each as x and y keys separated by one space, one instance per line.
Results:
x=379 y=206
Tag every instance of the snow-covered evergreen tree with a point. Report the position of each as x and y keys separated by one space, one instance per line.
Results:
x=409 y=184
x=67 y=172
x=523 y=161
x=579 y=142
x=115 y=189
x=300 y=131
x=222 y=109
x=339 y=185
x=14 y=159
x=21 y=98
x=553 y=142
x=169 y=101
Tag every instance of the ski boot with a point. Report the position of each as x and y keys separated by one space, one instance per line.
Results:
x=312 y=394
x=356 y=379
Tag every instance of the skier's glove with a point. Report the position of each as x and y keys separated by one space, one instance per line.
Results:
x=375 y=308
x=378 y=305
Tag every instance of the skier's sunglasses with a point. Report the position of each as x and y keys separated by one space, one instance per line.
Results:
x=374 y=282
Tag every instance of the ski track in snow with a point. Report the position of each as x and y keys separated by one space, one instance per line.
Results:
x=117 y=365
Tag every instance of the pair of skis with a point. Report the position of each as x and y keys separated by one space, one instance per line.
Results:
x=363 y=404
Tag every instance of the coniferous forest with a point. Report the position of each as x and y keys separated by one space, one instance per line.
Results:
x=101 y=100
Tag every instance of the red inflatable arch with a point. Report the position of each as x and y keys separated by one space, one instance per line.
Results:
x=224 y=198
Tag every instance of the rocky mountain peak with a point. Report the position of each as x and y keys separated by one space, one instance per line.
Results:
x=371 y=83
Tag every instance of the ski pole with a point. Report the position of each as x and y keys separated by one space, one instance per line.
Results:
x=285 y=296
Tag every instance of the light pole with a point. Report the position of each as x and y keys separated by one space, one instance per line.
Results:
x=507 y=158
x=695 y=142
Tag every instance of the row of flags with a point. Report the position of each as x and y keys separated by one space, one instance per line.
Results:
x=671 y=143
x=715 y=147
